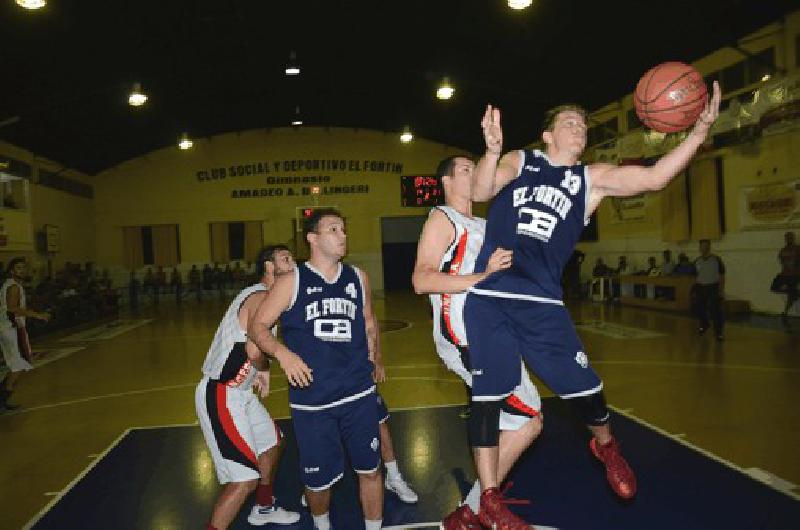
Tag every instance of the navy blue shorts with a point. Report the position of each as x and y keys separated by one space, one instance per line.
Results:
x=500 y=330
x=324 y=435
x=383 y=412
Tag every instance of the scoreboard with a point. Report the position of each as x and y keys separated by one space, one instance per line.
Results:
x=421 y=190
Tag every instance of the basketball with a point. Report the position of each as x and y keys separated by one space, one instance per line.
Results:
x=669 y=97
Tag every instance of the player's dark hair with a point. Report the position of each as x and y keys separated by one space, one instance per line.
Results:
x=267 y=254
x=312 y=221
x=705 y=241
x=12 y=263
x=446 y=167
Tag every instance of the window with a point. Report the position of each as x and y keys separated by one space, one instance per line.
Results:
x=733 y=77
x=236 y=241
x=147 y=245
x=760 y=64
x=633 y=120
x=797 y=49
x=606 y=130
x=151 y=245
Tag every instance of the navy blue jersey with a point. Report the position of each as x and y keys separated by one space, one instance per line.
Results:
x=325 y=327
x=540 y=216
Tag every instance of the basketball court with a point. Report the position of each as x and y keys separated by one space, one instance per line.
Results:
x=703 y=423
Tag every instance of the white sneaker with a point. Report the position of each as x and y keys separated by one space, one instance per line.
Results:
x=271 y=514
x=399 y=486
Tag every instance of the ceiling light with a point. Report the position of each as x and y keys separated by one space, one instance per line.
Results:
x=137 y=98
x=519 y=4
x=407 y=136
x=765 y=78
x=185 y=142
x=31 y=4
x=297 y=120
x=292 y=68
x=445 y=91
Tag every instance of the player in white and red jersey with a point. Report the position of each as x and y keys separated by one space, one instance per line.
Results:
x=241 y=436
x=449 y=245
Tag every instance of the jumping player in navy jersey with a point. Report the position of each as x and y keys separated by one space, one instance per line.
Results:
x=329 y=330
x=241 y=436
x=446 y=254
x=542 y=200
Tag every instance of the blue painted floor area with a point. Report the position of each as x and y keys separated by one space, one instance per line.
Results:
x=163 y=478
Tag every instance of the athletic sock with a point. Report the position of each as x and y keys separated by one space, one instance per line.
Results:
x=392 y=471
x=373 y=525
x=322 y=522
x=473 y=499
x=264 y=495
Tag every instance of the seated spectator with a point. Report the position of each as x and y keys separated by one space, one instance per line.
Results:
x=652 y=267
x=684 y=266
x=601 y=269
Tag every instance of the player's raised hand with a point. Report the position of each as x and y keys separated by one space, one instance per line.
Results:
x=297 y=372
x=500 y=259
x=492 y=131
x=710 y=113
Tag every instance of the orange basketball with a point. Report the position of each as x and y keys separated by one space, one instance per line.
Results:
x=670 y=97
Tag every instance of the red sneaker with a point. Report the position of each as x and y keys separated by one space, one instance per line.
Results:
x=463 y=518
x=494 y=514
x=619 y=474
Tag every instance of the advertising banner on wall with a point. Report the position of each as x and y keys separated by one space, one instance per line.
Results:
x=629 y=209
x=767 y=206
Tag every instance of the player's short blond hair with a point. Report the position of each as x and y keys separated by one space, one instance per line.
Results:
x=551 y=115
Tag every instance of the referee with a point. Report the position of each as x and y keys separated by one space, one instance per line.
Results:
x=709 y=287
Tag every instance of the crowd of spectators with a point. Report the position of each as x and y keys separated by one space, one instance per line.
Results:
x=72 y=295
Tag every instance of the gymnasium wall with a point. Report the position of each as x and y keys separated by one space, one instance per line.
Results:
x=638 y=227
x=258 y=175
x=72 y=213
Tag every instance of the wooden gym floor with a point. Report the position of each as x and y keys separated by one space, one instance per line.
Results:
x=737 y=400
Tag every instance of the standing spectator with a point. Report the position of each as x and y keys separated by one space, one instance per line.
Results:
x=621 y=270
x=195 y=282
x=219 y=280
x=133 y=291
x=238 y=276
x=709 y=286
x=13 y=335
x=176 y=284
x=571 y=279
x=148 y=282
x=161 y=280
x=786 y=281
x=227 y=277
x=668 y=267
x=208 y=277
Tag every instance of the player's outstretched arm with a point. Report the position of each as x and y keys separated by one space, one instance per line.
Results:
x=493 y=172
x=259 y=331
x=437 y=234
x=624 y=181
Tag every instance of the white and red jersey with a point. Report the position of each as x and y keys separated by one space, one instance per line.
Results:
x=227 y=360
x=449 y=334
x=7 y=320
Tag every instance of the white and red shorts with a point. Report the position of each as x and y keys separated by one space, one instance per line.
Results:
x=16 y=348
x=237 y=429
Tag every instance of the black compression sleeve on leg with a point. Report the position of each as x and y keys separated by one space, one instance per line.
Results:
x=592 y=408
x=484 y=424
